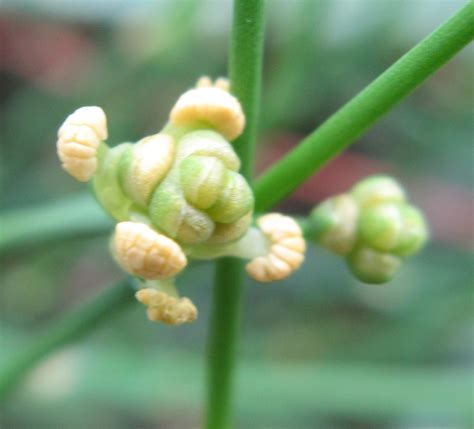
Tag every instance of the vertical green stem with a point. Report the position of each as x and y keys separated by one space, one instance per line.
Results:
x=245 y=70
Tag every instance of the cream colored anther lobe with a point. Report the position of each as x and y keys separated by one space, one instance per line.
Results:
x=78 y=139
x=206 y=82
x=211 y=105
x=166 y=308
x=145 y=253
x=287 y=248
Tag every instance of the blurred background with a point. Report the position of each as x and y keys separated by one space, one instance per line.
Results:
x=320 y=350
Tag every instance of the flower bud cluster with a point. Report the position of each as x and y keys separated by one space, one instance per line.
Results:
x=183 y=181
x=178 y=194
x=373 y=227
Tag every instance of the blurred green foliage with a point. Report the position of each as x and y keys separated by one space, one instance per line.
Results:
x=318 y=350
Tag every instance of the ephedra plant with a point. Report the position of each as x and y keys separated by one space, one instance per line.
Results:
x=187 y=192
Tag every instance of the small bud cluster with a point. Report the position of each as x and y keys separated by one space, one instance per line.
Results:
x=183 y=180
x=373 y=227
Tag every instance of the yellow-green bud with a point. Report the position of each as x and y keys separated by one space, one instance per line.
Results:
x=380 y=226
x=201 y=179
x=234 y=201
x=208 y=143
x=228 y=232
x=397 y=228
x=414 y=231
x=334 y=223
x=170 y=213
x=376 y=190
x=145 y=165
x=372 y=266
x=202 y=200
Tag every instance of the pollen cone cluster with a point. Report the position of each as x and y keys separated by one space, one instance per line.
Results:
x=165 y=308
x=286 y=251
x=212 y=105
x=145 y=253
x=78 y=140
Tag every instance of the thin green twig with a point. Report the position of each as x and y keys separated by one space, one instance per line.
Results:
x=245 y=69
x=348 y=123
x=72 y=327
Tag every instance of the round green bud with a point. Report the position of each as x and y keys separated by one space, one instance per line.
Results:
x=334 y=223
x=414 y=233
x=380 y=226
x=396 y=228
x=171 y=214
x=106 y=183
x=376 y=190
x=234 y=201
x=208 y=143
x=201 y=179
x=196 y=226
x=370 y=266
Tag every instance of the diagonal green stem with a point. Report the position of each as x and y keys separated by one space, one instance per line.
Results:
x=71 y=328
x=245 y=70
x=343 y=127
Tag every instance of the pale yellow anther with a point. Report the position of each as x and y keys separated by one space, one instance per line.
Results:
x=145 y=253
x=222 y=83
x=78 y=139
x=286 y=252
x=210 y=105
x=204 y=82
x=166 y=308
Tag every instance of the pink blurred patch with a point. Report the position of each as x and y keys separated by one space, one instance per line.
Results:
x=52 y=56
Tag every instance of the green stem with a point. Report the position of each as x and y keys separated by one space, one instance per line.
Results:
x=245 y=70
x=245 y=73
x=71 y=328
x=343 y=127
